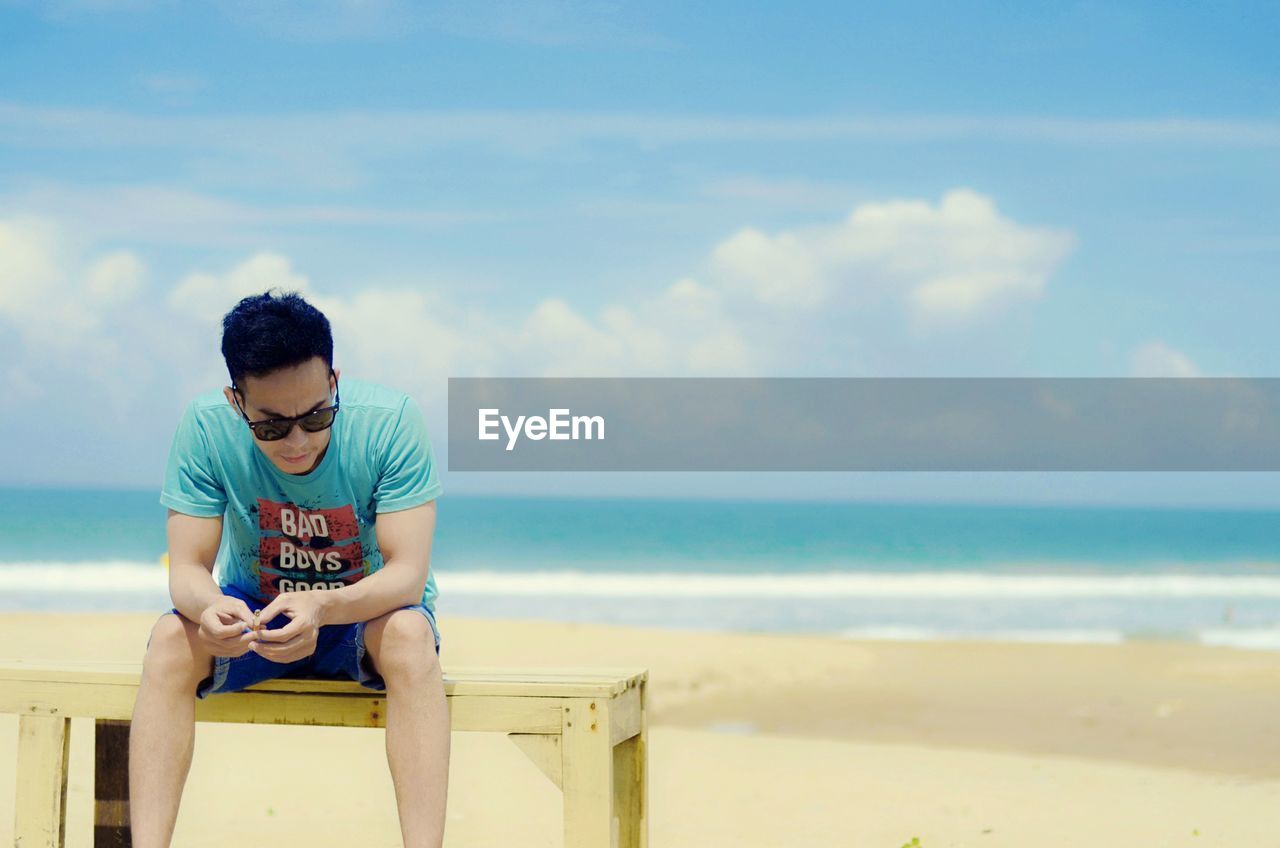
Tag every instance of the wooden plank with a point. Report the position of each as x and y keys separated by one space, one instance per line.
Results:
x=567 y=682
x=115 y=702
x=466 y=713
x=69 y=699
x=40 y=816
x=624 y=716
x=631 y=783
x=587 y=774
x=56 y=669
x=566 y=687
x=544 y=750
x=43 y=667
x=285 y=708
x=111 y=784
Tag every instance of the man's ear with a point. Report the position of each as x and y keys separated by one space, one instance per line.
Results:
x=236 y=402
x=337 y=372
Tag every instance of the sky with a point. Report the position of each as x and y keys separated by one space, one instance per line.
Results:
x=617 y=189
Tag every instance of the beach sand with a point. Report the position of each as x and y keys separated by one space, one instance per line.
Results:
x=771 y=740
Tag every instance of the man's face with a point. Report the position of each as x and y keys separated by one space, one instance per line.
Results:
x=283 y=394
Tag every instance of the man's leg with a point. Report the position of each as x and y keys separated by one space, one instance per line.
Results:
x=162 y=736
x=402 y=647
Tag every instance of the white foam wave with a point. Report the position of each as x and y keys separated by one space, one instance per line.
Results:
x=114 y=577
x=1258 y=638
x=926 y=634
x=127 y=577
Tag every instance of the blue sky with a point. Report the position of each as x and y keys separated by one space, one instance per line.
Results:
x=603 y=189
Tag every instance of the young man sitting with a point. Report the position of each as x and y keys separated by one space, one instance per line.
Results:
x=316 y=513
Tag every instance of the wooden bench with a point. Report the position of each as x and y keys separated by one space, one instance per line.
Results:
x=585 y=729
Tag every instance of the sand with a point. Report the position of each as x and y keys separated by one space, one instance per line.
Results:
x=770 y=740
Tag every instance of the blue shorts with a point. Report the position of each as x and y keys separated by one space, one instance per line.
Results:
x=340 y=653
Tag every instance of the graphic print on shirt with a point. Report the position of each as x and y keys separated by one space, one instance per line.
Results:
x=302 y=550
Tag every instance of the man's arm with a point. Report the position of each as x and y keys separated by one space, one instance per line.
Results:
x=193 y=547
x=404 y=537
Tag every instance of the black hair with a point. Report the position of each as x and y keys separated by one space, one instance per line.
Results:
x=273 y=330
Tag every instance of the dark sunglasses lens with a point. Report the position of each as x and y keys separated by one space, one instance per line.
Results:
x=272 y=431
x=317 y=421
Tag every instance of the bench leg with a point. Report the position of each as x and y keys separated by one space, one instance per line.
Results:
x=587 y=774
x=631 y=785
x=111 y=785
x=40 y=818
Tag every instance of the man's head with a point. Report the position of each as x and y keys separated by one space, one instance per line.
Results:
x=279 y=353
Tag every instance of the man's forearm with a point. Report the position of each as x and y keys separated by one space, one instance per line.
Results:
x=192 y=589
x=390 y=587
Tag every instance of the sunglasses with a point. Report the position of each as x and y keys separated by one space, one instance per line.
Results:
x=274 y=429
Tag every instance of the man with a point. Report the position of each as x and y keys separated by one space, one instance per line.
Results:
x=317 y=508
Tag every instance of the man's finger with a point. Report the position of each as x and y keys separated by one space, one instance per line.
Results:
x=273 y=609
x=234 y=612
x=286 y=633
x=277 y=647
x=248 y=637
x=246 y=614
x=233 y=636
x=225 y=630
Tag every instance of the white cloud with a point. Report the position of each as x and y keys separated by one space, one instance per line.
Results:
x=413 y=338
x=948 y=262
x=79 y=335
x=407 y=338
x=44 y=299
x=713 y=342
x=116 y=277
x=1157 y=359
x=957 y=257
x=682 y=331
x=207 y=297
x=782 y=270
x=28 y=266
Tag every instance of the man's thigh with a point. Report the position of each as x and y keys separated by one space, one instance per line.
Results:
x=349 y=655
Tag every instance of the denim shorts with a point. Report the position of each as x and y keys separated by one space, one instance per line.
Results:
x=339 y=654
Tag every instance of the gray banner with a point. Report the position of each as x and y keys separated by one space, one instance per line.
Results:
x=864 y=424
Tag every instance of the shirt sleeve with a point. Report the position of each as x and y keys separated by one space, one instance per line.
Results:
x=190 y=484
x=408 y=476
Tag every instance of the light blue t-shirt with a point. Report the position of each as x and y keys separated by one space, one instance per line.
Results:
x=296 y=532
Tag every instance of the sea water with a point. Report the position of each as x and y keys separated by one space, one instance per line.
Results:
x=852 y=570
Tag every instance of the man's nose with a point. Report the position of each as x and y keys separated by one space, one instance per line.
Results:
x=297 y=437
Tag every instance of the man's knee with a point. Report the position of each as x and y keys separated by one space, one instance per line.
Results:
x=173 y=654
x=405 y=643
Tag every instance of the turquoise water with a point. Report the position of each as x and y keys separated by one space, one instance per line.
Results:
x=845 y=569
x=514 y=534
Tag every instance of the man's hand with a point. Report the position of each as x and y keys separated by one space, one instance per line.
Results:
x=222 y=627
x=297 y=639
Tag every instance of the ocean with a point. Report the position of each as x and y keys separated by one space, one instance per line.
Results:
x=847 y=570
